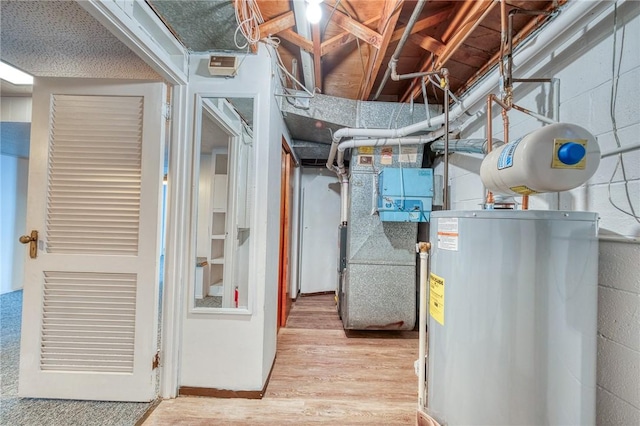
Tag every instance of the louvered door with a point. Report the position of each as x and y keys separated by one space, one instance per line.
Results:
x=89 y=324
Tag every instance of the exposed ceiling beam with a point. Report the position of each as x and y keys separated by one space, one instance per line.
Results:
x=358 y=29
x=479 y=11
x=317 y=57
x=390 y=14
x=435 y=17
x=467 y=19
x=429 y=44
x=277 y=24
x=343 y=38
x=296 y=39
x=517 y=38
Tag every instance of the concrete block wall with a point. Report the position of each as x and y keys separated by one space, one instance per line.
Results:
x=583 y=63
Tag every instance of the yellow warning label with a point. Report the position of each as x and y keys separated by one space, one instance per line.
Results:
x=436 y=298
x=366 y=150
x=555 y=161
x=523 y=190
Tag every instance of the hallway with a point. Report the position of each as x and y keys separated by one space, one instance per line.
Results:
x=320 y=376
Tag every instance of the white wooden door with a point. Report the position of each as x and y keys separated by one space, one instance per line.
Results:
x=320 y=220
x=89 y=322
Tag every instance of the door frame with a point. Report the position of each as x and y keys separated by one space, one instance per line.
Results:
x=284 y=267
x=165 y=55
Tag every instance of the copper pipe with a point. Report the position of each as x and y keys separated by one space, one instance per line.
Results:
x=534 y=114
x=503 y=39
x=525 y=202
x=505 y=124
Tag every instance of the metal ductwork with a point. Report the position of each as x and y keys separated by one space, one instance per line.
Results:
x=312 y=121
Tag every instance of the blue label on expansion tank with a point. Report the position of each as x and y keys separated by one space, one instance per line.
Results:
x=506 y=156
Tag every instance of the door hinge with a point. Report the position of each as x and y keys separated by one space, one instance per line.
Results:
x=166 y=111
x=155 y=363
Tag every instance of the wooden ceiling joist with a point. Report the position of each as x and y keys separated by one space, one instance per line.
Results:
x=517 y=38
x=343 y=39
x=297 y=39
x=468 y=17
x=433 y=19
x=276 y=25
x=358 y=29
x=429 y=44
x=479 y=11
x=389 y=18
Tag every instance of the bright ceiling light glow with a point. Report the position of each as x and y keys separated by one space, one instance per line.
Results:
x=14 y=75
x=314 y=13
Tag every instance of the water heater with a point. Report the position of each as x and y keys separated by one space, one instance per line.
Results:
x=557 y=157
x=513 y=318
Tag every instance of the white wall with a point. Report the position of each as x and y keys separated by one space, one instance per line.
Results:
x=16 y=109
x=13 y=194
x=231 y=351
x=13 y=209
x=583 y=63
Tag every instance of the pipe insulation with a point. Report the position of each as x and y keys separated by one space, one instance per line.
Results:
x=422 y=325
x=569 y=21
x=354 y=143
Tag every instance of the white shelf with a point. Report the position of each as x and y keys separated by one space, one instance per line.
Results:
x=218 y=261
x=218 y=236
x=216 y=289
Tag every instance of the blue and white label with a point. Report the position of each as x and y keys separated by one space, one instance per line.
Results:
x=506 y=156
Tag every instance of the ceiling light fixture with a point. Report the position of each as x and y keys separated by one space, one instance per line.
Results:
x=14 y=75
x=314 y=12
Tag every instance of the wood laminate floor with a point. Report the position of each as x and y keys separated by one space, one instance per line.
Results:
x=320 y=376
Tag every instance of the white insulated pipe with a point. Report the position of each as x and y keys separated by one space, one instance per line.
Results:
x=422 y=326
x=354 y=143
x=568 y=20
x=344 y=198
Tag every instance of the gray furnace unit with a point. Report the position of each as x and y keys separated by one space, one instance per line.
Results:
x=377 y=288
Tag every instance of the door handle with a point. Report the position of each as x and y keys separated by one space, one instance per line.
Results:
x=32 y=240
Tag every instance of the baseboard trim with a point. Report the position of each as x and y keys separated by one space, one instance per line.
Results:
x=219 y=393
x=226 y=393
x=147 y=413
x=318 y=293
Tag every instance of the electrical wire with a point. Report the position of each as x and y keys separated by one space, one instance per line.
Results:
x=615 y=77
x=274 y=42
x=248 y=20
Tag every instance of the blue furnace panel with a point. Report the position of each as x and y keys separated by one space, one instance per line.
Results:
x=405 y=195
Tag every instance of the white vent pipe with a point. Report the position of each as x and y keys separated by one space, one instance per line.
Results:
x=354 y=143
x=423 y=250
x=567 y=22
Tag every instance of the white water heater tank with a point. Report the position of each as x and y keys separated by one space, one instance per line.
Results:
x=557 y=157
x=513 y=312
